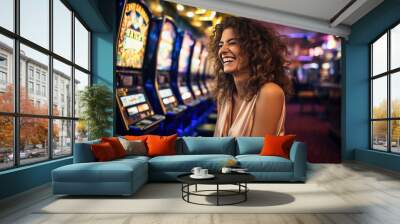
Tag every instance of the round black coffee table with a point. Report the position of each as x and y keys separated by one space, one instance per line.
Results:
x=238 y=179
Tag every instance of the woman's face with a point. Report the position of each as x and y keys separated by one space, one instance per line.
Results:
x=232 y=59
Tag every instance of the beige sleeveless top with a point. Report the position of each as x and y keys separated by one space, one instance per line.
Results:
x=242 y=124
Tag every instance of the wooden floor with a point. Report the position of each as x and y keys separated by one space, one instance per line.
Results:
x=377 y=189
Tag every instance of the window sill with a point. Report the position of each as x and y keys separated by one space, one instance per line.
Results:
x=26 y=167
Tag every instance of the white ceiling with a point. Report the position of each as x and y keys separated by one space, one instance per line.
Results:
x=313 y=15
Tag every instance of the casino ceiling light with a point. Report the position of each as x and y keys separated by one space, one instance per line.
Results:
x=209 y=16
x=159 y=8
x=200 y=11
x=180 y=7
x=190 y=14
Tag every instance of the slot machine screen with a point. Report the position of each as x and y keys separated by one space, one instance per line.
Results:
x=185 y=93
x=185 y=53
x=132 y=111
x=166 y=45
x=132 y=36
x=165 y=93
x=131 y=100
x=194 y=68
x=125 y=80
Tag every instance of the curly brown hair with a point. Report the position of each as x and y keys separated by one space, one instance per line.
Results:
x=267 y=57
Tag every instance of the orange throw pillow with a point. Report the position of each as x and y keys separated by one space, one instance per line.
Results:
x=116 y=145
x=161 y=145
x=103 y=152
x=277 y=145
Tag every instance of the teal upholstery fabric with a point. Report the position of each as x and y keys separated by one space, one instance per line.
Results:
x=83 y=152
x=119 y=177
x=257 y=163
x=207 y=145
x=126 y=175
x=249 y=145
x=185 y=163
x=298 y=154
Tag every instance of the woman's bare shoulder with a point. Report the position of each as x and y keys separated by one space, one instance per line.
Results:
x=271 y=89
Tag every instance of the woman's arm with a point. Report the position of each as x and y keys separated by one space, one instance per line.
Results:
x=269 y=107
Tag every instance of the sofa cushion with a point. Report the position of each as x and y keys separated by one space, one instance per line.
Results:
x=207 y=145
x=103 y=152
x=277 y=145
x=185 y=163
x=257 y=163
x=161 y=145
x=249 y=145
x=112 y=171
x=83 y=152
x=116 y=145
x=134 y=147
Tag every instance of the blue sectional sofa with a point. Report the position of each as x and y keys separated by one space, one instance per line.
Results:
x=125 y=176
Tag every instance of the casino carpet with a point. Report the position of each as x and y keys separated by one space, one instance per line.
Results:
x=314 y=130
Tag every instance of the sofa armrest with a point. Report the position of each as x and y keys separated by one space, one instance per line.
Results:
x=298 y=155
x=83 y=152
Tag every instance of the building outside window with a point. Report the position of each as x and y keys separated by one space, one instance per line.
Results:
x=385 y=97
x=30 y=87
x=30 y=72
x=3 y=72
x=35 y=72
x=43 y=90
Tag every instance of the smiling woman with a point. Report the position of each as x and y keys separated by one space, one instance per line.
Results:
x=250 y=61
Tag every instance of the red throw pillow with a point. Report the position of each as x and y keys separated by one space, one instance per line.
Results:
x=161 y=145
x=103 y=152
x=116 y=145
x=277 y=145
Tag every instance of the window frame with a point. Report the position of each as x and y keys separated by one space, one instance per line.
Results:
x=15 y=68
x=388 y=74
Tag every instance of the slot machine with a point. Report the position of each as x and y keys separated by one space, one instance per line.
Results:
x=180 y=81
x=136 y=114
x=194 y=71
x=185 y=96
x=164 y=34
x=202 y=70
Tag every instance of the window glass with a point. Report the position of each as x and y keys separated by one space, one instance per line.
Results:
x=379 y=135
x=62 y=29
x=379 y=56
x=6 y=142
x=379 y=98
x=395 y=136
x=62 y=91
x=81 y=131
x=6 y=74
x=395 y=95
x=33 y=140
x=62 y=138
x=81 y=81
x=35 y=21
x=81 y=45
x=39 y=62
x=7 y=14
x=395 y=47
